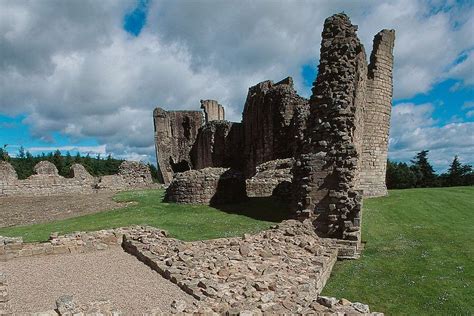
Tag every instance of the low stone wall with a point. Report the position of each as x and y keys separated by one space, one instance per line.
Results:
x=271 y=178
x=278 y=271
x=207 y=186
x=47 y=181
x=14 y=247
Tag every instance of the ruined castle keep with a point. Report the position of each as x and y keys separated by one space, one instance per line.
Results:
x=336 y=142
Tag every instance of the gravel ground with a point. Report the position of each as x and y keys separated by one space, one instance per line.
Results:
x=39 y=209
x=35 y=283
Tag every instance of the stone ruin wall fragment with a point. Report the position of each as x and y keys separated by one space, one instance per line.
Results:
x=333 y=166
x=377 y=115
x=269 y=119
x=175 y=134
x=46 y=180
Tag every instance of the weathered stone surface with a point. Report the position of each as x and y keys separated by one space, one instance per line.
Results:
x=5 y=308
x=218 y=144
x=45 y=168
x=213 y=111
x=46 y=181
x=7 y=172
x=272 y=178
x=377 y=115
x=267 y=123
x=175 y=133
x=327 y=169
x=207 y=186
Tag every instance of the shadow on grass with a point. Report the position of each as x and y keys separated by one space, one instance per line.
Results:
x=269 y=209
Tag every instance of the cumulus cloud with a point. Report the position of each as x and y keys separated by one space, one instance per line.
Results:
x=413 y=129
x=70 y=67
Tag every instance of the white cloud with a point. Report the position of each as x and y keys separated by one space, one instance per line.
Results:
x=413 y=130
x=70 y=67
x=92 y=150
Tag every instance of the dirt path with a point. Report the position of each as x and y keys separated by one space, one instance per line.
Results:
x=35 y=283
x=31 y=210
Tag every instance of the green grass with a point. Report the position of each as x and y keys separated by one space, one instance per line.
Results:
x=419 y=255
x=418 y=259
x=186 y=222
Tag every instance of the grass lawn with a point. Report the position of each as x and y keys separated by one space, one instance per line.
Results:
x=186 y=222
x=419 y=256
x=418 y=259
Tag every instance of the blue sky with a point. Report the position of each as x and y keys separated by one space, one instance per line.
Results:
x=89 y=81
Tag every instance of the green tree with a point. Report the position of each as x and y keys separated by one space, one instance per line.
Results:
x=21 y=152
x=399 y=176
x=425 y=174
x=58 y=160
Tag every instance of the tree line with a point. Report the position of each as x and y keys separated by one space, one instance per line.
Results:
x=420 y=174
x=97 y=166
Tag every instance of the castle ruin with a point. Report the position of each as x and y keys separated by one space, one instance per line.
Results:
x=336 y=142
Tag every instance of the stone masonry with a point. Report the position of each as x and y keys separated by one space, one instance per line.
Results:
x=377 y=115
x=175 y=133
x=272 y=178
x=338 y=139
x=326 y=173
x=207 y=186
x=330 y=171
x=278 y=271
x=47 y=181
x=213 y=111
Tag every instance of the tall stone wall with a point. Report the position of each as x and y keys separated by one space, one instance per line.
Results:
x=218 y=144
x=326 y=171
x=268 y=119
x=213 y=111
x=377 y=115
x=175 y=134
x=47 y=181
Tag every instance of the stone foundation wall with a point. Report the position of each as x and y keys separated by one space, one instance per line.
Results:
x=207 y=186
x=14 y=247
x=271 y=179
x=47 y=181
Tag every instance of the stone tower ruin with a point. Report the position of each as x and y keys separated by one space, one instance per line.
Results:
x=330 y=150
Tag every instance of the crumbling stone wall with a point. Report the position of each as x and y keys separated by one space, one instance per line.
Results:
x=377 y=115
x=207 y=186
x=272 y=178
x=213 y=111
x=47 y=181
x=326 y=171
x=175 y=133
x=14 y=247
x=218 y=144
x=267 y=123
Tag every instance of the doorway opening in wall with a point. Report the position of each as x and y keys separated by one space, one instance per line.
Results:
x=180 y=166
